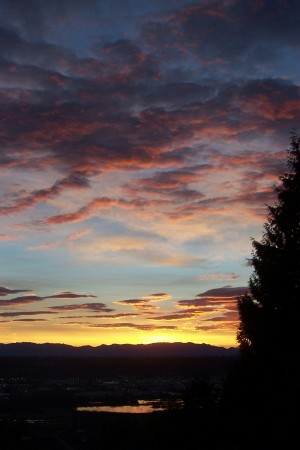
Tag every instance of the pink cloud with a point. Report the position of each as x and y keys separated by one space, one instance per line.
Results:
x=9 y=237
x=76 y=180
x=79 y=234
x=92 y=208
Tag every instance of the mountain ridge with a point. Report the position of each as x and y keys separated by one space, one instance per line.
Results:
x=159 y=349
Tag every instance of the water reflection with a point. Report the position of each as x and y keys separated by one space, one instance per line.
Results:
x=143 y=407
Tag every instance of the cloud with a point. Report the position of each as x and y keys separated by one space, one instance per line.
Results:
x=193 y=303
x=70 y=295
x=139 y=304
x=35 y=298
x=218 y=276
x=161 y=296
x=102 y=316
x=223 y=327
x=175 y=316
x=191 y=31
x=92 y=208
x=224 y=292
x=6 y=291
x=9 y=237
x=208 y=304
x=172 y=182
x=218 y=299
x=143 y=303
x=216 y=308
x=18 y=301
x=83 y=306
x=24 y=313
x=79 y=234
x=75 y=180
x=231 y=316
x=135 y=242
x=30 y=320
x=135 y=326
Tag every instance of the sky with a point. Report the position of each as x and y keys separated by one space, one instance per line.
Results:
x=140 y=144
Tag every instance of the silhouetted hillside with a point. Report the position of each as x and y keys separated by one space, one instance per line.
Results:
x=28 y=349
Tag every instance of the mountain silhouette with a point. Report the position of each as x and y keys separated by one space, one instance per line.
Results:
x=162 y=349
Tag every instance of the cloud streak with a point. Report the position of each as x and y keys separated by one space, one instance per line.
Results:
x=83 y=306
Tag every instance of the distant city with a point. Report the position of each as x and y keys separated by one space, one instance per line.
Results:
x=51 y=399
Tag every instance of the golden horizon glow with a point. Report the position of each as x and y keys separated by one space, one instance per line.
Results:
x=84 y=337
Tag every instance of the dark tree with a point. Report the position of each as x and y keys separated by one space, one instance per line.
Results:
x=270 y=312
x=200 y=393
x=264 y=388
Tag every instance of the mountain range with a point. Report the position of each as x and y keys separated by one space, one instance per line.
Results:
x=162 y=349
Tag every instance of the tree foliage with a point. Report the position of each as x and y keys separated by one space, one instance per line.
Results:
x=261 y=395
x=270 y=312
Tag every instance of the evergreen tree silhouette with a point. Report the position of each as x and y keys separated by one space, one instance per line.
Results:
x=263 y=389
x=270 y=312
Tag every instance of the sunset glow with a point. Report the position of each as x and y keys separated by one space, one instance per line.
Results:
x=140 y=144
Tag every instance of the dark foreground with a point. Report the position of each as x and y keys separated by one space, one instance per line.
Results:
x=177 y=429
x=39 y=400
x=89 y=431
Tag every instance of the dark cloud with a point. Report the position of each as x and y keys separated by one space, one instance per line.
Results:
x=102 y=316
x=97 y=123
x=133 y=302
x=175 y=316
x=224 y=292
x=35 y=298
x=210 y=304
x=83 y=306
x=139 y=304
x=6 y=291
x=222 y=301
x=85 y=123
x=158 y=294
x=172 y=182
x=135 y=326
x=203 y=304
x=24 y=313
x=238 y=33
x=30 y=320
x=18 y=301
x=220 y=326
x=67 y=294
x=231 y=316
x=35 y=20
